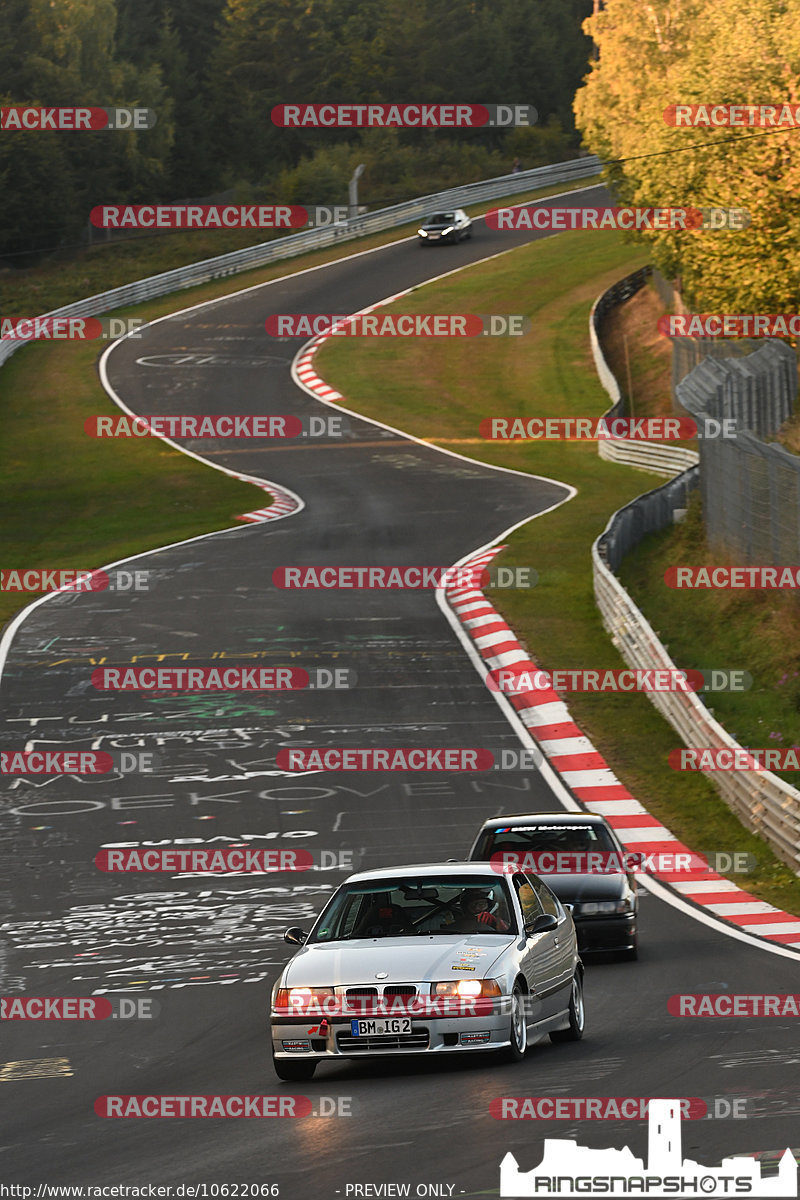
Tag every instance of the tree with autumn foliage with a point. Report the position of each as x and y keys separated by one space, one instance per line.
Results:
x=657 y=53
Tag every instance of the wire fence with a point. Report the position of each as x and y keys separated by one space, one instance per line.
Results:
x=750 y=489
x=689 y=352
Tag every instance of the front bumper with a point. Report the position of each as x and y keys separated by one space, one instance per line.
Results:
x=616 y=932
x=429 y=1035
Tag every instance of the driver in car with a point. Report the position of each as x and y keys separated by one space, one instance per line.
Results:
x=474 y=913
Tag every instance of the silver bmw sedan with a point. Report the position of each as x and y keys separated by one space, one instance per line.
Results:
x=428 y=959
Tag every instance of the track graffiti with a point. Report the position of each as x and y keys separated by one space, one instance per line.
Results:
x=170 y=939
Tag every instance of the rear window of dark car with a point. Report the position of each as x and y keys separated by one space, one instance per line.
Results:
x=565 y=838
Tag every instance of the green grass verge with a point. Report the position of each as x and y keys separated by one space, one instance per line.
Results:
x=758 y=632
x=74 y=501
x=440 y=391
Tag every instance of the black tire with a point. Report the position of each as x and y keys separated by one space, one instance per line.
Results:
x=577 y=1014
x=468 y=234
x=518 y=1029
x=293 y=1072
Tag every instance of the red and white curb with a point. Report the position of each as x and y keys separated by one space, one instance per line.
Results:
x=584 y=770
x=303 y=367
x=283 y=505
x=306 y=373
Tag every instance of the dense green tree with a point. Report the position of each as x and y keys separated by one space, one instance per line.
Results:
x=279 y=51
x=178 y=37
x=62 y=53
x=214 y=69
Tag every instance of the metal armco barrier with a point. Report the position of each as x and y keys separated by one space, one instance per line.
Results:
x=762 y=802
x=315 y=239
x=646 y=514
x=647 y=456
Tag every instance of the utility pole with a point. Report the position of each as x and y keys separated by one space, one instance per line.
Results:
x=353 y=190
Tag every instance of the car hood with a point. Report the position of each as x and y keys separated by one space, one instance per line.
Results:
x=574 y=888
x=404 y=959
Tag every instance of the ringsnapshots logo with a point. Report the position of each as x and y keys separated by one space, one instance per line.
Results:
x=570 y=1170
x=221 y=426
x=22 y=117
x=732 y=116
x=437 y=325
x=402 y=577
x=650 y=220
x=403 y=116
x=71 y=579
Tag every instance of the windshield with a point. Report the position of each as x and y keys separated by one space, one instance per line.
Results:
x=383 y=908
x=441 y=219
x=547 y=841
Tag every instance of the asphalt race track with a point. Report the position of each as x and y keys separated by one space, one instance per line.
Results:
x=207 y=950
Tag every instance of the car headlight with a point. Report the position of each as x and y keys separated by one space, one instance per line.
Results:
x=449 y=229
x=467 y=987
x=592 y=908
x=422 y=232
x=297 y=999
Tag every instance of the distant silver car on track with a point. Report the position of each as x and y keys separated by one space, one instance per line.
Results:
x=427 y=959
x=449 y=226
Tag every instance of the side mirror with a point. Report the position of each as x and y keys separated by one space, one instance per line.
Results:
x=542 y=923
x=634 y=860
x=295 y=936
